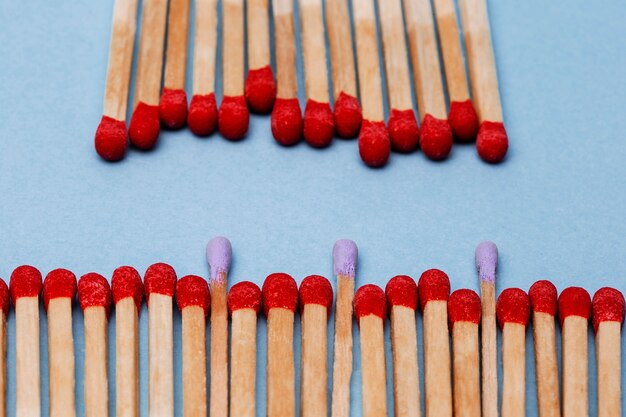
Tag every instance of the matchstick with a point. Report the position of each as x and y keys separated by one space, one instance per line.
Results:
x=345 y=254
x=59 y=290
x=574 y=309
x=280 y=299
x=260 y=88
x=127 y=290
x=160 y=284
x=94 y=295
x=173 y=104
x=464 y=314
x=233 y=117
x=286 y=114
x=402 y=126
x=244 y=303
x=25 y=286
x=219 y=255
x=374 y=143
x=462 y=115
x=434 y=289
x=608 y=317
x=202 y=115
x=145 y=124
x=543 y=298
x=4 y=312
x=316 y=301
x=513 y=311
x=486 y=264
x=347 y=112
x=401 y=294
x=194 y=301
x=370 y=309
x=435 y=133
x=492 y=142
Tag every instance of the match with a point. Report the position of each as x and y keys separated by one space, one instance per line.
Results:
x=260 y=87
x=4 y=312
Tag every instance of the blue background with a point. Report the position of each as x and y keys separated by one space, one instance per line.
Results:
x=555 y=207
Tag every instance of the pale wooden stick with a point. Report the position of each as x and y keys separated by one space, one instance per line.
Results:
x=281 y=396
x=489 y=350
x=608 y=357
x=161 y=355
x=314 y=393
x=194 y=361
x=233 y=52
x=466 y=363
x=314 y=50
x=437 y=382
x=284 y=41
x=342 y=359
x=176 y=54
x=574 y=347
x=126 y=358
x=405 y=369
x=219 y=348
x=61 y=357
x=243 y=363
x=373 y=380
x=258 y=34
x=3 y=363
x=27 y=394
x=96 y=379
x=544 y=333
x=340 y=43
x=514 y=370
x=205 y=46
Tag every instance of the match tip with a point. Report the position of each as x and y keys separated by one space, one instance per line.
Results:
x=607 y=305
x=94 y=291
x=374 y=144
x=574 y=301
x=173 y=108
x=401 y=290
x=403 y=130
x=370 y=299
x=513 y=306
x=487 y=261
x=345 y=255
x=233 y=117
x=111 y=139
x=463 y=120
x=243 y=295
x=319 y=125
x=543 y=297
x=316 y=289
x=287 y=121
x=464 y=305
x=145 y=126
x=160 y=278
x=25 y=281
x=279 y=291
x=59 y=283
x=192 y=290
x=219 y=254
x=433 y=285
x=4 y=297
x=435 y=138
x=260 y=90
x=348 y=116
x=492 y=142
x=125 y=283
x=202 y=116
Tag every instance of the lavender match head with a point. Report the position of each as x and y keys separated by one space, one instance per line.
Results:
x=487 y=261
x=218 y=255
x=345 y=254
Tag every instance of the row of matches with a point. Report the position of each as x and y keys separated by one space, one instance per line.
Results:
x=467 y=119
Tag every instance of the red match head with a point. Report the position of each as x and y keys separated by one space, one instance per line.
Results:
x=94 y=291
x=607 y=305
x=192 y=290
x=433 y=285
x=435 y=138
x=145 y=126
x=403 y=130
x=401 y=290
x=125 y=283
x=513 y=306
x=319 y=125
x=111 y=139
x=574 y=301
x=279 y=291
x=173 y=108
x=202 y=115
x=316 y=289
x=4 y=297
x=492 y=142
x=59 y=283
x=374 y=144
x=348 y=116
x=543 y=297
x=463 y=120
x=25 y=282
x=370 y=299
x=287 y=121
x=233 y=117
x=464 y=305
x=260 y=90
x=160 y=278
x=243 y=295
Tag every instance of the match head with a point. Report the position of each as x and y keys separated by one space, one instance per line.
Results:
x=513 y=306
x=543 y=296
x=25 y=281
x=464 y=305
x=192 y=290
x=316 y=289
x=433 y=285
x=374 y=143
x=348 y=116
x=94 y=291
x=487 y=261
x=287 y=124
x=233 y=117
x=370 y=299
x=160 y=278
x=202 y=116
x=607 y=305
x=243 y=295
x=173 y=108
x=319 y=125
x=463 y=120
x=4 y=297
x=574 y=301
x=401 y=290
x=125 y=283
x=403 y=130
x=492 y=142
x=279 y=291
x=111 y=139
x=435 y=138
x=59 y=283
x=219 y=254
x=145 y=126
x=345 y=255
x=260 y=90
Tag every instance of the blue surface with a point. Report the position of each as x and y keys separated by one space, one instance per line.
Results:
x=555 y=207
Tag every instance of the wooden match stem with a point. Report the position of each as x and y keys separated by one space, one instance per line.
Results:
x=3 y=364
x=233 y=52
x=342 y=350
x=314 y=50
x=161 y=356
x=373 y=377
x=574 y=350
x=513 y=370
x=219 y=348
x=194 y=362
x=258 y=34
x=243 y=363
x=27 y=394
x=406 y=390
x=437 y=382
x=126 y=359
x=281 y=392
x=608 y=357
x=96 y=373
x=61 y=358
x=176 y=54
x=489 y=359
x=284 y=45
x=546 y=368
x=466 y=365
x=338 y=30
x=205 y=47
x=314 y=386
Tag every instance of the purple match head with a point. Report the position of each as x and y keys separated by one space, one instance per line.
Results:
x=345 y=254
x=218 y=255
x=487 y=261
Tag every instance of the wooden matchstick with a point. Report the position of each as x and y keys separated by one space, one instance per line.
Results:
x=345 y=254
x=160 y=284
x=491 y=142
x=25 y=286
x=219 y=255
x=543 y=298
x=260 y=89
x=435 y=134
x=194 y=302
x=145 y=124
x=608 y=317
x=94 y=295
x=4 y=312
x=280 y=299
x=127 y=290
x=513 y=311
x=401 y=294
x=244 y=303
x=316 y=300
x=464 y=314
x=59 y=290
x=574 y=309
